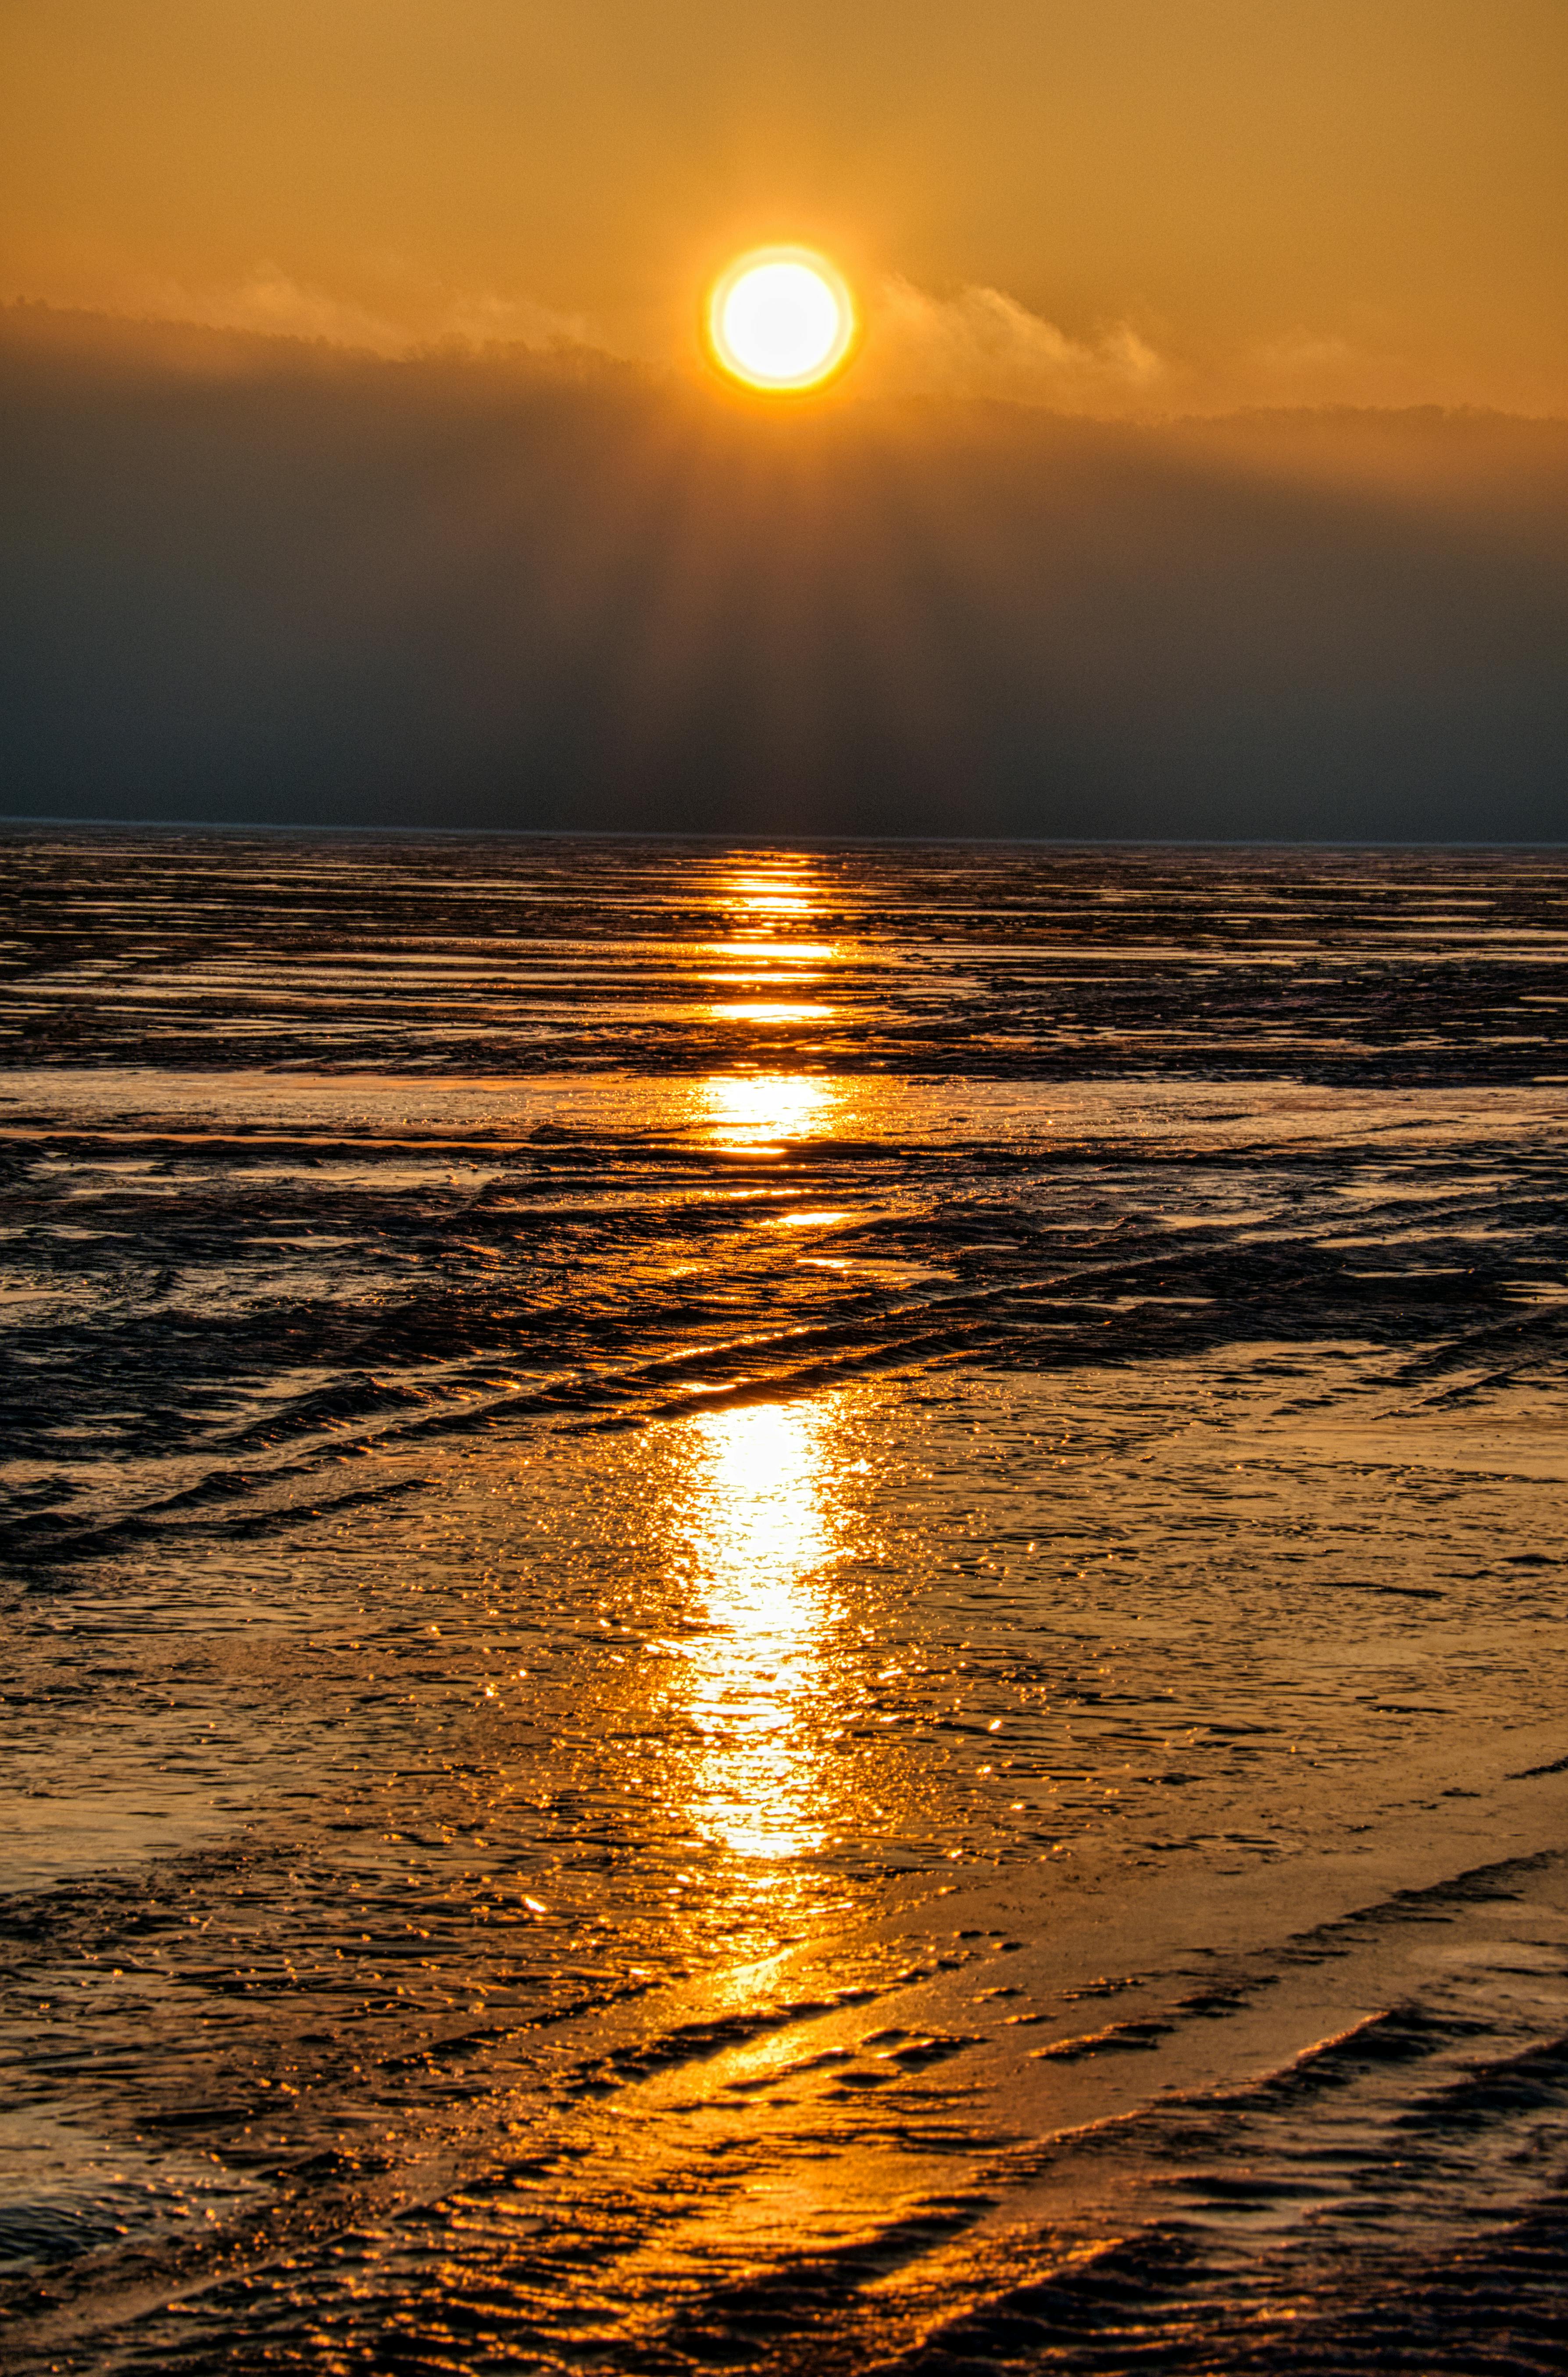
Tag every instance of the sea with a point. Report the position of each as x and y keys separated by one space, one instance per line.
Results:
x=781 y=1608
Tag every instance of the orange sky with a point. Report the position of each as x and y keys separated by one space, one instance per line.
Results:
x=1101 y=204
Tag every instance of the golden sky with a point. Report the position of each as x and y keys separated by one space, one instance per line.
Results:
x=1098 y=205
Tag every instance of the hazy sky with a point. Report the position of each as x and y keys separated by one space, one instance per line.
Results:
x=526 y=562
x=1107 y=205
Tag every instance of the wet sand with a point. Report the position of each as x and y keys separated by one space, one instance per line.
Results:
x=864 y=1669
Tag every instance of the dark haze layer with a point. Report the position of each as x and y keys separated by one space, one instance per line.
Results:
x=247 y=579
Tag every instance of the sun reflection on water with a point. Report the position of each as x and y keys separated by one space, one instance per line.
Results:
x=755 y=1109
x=795 y=953
x=763 y=904
x=771 y=894
x=763 y=1536
x=769 y=1010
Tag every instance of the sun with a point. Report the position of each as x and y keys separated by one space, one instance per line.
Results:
x=781 y=319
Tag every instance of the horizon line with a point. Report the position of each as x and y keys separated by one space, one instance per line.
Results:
x=791 y=841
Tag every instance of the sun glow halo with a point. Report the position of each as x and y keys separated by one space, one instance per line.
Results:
x=781 y=319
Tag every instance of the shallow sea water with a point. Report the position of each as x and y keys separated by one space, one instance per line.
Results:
x=797 y=1609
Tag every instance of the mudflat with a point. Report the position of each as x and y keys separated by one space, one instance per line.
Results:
x=784 y=1608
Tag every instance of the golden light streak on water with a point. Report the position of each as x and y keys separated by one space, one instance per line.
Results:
x=776 y=953
x=771 y=1011
x=785 y=893
x=763 y=1531
x=754 y=1110
x=772 y=895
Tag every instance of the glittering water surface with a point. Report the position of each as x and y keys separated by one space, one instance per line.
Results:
x=783 y=1608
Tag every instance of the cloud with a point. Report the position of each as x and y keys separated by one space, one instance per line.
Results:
x=487 y=319
x=1303 y=365
x=984 y=343
x=1310 y=352
x=270 y=302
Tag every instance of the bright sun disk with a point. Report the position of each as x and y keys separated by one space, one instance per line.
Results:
x=781 y=318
